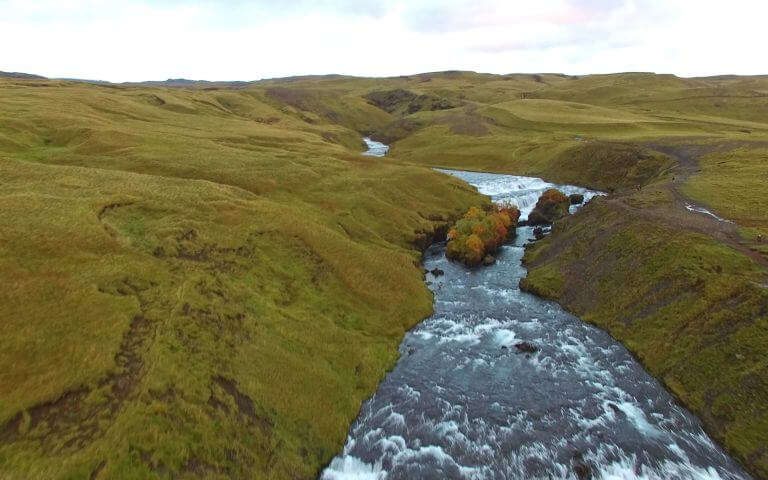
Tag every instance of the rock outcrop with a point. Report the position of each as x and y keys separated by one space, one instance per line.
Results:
x=407 y=102
x=552 y=205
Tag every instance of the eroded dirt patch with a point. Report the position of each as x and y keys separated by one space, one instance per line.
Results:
x=245 y=406
x=74 y=420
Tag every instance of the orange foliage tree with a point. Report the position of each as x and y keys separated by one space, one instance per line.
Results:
x=481 y=232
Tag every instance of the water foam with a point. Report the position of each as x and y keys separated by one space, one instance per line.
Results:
x=375 y=149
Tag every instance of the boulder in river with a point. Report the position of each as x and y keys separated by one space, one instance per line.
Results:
x=552 y=204
x=616 y=409
x=525 y=347
x=436 y=272
x=582 y=471
x=489 y=260
x=537 y=218
x=576 y=198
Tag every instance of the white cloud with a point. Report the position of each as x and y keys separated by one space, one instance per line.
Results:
x=111 y=40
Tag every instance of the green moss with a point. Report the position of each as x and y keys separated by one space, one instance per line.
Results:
x=732 y=184
x=545 y=282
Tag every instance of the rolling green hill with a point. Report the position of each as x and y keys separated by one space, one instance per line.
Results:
x=205 y=281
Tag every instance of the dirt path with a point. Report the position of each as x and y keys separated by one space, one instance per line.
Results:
x=681 y=214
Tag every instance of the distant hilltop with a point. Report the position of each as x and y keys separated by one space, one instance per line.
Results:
x=427 y=76
x=171 y=82
x=21 y=75
x=183 y=82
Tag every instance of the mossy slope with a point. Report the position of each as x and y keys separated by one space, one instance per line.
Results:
x=196 y=284
x=692 y=309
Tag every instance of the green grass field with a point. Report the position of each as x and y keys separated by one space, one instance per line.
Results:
x=181 y=273
x=207 y=282
x=733 y=184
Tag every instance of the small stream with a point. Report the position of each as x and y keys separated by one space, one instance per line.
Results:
x=470 y=399
x=698 y=209
x=375 y=149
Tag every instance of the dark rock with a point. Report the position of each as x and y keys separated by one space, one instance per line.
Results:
x=390 y=100
x=522 y=223
x=525 y=347
x=582 y=471
x=504 y=347
x=537 y=218
x=410 y=102
x=615 y=409
x=489 y=260
x=440 y=233
x=552 y=205
x=436 y=272
x=576 y=199
x=422 y=239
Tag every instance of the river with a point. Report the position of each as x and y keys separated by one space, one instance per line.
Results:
x=375 y=149
x=465 y=402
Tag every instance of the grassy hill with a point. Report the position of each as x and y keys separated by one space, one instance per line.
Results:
x=185 y=268
x=208 y=281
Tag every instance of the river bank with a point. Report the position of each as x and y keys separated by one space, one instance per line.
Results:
x=692 y=309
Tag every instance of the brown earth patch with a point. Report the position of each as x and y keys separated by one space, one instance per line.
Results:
x=72 y=422
x=106 y=210
x=244 y=403
x=96 y=472
x=470 y=126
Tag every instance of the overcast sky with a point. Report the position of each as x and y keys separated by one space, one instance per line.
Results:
x=249 y=40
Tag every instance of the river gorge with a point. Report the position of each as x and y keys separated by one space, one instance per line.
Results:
x=500 y=384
